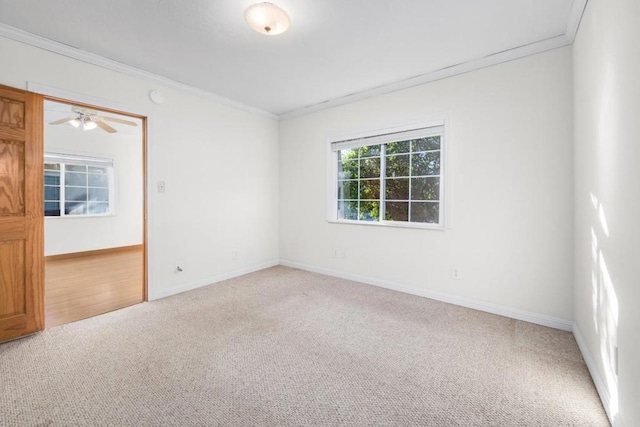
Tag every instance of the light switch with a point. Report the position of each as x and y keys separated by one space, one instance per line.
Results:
x=161 y=187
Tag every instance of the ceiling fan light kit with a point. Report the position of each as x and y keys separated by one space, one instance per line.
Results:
x=267 y=18
x=89 y=119
x=89 y=125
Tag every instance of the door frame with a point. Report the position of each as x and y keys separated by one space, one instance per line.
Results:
x=86 y=101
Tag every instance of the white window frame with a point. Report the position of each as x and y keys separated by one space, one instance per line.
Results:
x=445 y=222
x=64 y=159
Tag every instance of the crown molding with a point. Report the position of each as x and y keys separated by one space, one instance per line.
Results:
x=443 y=73
x=575 y=17
x=90 y=58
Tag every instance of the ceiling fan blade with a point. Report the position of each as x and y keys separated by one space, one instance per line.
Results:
x=105 y=126
x=61 y=121
x=116 y=120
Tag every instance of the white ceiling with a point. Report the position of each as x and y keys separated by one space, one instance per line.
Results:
x=334 y=51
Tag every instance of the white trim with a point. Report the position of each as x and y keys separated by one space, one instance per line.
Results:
x=443 y=73
x=471 y=65
x=387 y=137
x=575 y=17
x=82 y=98
x=397 y=224
x=601 y=385
x=428 y=122
x=211 y=280
x=501 y=310
x=90 y=58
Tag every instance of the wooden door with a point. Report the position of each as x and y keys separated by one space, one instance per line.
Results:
x=21 y=213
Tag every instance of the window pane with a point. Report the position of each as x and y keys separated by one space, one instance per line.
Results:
x=96 y=169
x=398 y=147
x=397 y=165
x=348 y=190
x=348 y=169
x=397 y=189
x=369 y=211
x=347 y=209
x=425 y=163
x=52 y=178
x=370 y=167
x=51 y=208
x=98 y=208
x=51 y=193
x=52 y=166
x=370 y=189
x=425 y=188
x=369 y=151
x=75 y=208
x=75 y=194
x=396 y=211
x=98 y=181
x=349 y=154
x=98 y=195
x=79 y=179
x=424 y=144
x=76 y=168
x=425 y=212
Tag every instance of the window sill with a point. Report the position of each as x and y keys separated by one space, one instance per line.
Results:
x=392 y=224
x=81 y=216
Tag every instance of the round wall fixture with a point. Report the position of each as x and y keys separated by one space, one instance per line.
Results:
x=267 y=18
x=156 y=97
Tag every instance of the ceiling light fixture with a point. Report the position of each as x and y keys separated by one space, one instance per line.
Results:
x=75 y=123
x=267 y=18
x=89 y=125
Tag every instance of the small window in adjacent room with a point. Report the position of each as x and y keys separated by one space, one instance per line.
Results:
x=394 y=177
x=77 y=186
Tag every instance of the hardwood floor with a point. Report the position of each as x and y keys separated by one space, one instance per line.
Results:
x=78 y=288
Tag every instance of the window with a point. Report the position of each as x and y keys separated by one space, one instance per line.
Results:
x=75 y=186
x=393 y=177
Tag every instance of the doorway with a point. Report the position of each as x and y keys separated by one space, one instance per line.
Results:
x=95 y=210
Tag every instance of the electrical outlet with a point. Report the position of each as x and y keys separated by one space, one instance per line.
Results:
x=456 y=272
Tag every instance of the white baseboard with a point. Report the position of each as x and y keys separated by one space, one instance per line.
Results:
x=527 y=316
x=213 y=279
x=601 y=385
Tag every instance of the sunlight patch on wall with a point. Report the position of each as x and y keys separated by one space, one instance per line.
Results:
x=605 y=305
x=608 y=320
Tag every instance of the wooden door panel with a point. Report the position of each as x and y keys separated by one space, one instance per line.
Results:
x=12 y=111
x=11 y=178
x=21 y=213
x=12 y=279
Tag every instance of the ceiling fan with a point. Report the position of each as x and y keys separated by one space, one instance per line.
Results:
x=89 y=119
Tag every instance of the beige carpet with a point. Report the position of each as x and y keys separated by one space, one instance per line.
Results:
x=283 y=347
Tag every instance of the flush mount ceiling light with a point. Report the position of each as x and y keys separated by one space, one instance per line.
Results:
x=267 y=18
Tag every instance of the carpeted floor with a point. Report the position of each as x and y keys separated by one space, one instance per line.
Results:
x=283 y=347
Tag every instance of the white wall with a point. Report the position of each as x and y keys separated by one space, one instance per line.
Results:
x=220 y=166
x=68 y=234
x=607 y=203
x=512 y=189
